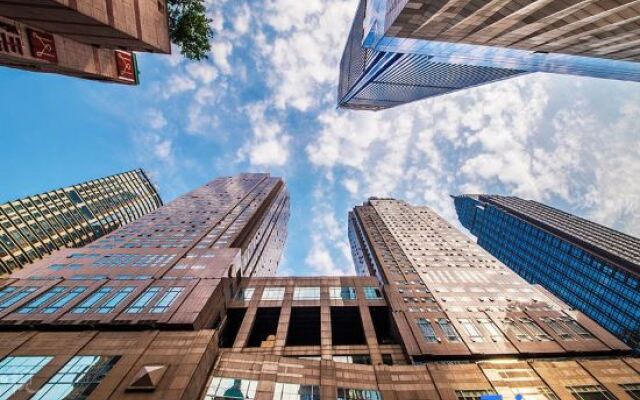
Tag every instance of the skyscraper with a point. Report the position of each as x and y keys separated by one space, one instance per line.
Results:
x=136 y=311
x=91 y=39
x=181 y=304
x=35 y=226
x=399 y=51
x=591 y=267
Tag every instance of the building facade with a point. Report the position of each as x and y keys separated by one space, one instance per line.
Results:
x=399 y=51
x=182 y=304
x=591 y=267
x=35 y=226
x=91 y=39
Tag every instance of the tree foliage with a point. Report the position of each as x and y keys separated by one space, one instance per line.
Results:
x=189 y=28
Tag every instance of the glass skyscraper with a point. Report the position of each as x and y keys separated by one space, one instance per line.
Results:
x=591 y=267
x=32 y=227
x=399 y=51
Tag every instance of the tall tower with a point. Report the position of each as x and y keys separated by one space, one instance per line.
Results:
x=591 y=267
x=399 y=51
x=138 y=309
x=35 y=226
x=441 y=282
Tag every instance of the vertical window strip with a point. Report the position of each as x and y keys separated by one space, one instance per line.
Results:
x=142 y=300
x=449 y=330
x=6 y=290
x=111 y=304
x=64 y=300
x=167 y=300
x=40 y=300
x=427 y=330
x=91 y=300
x=13 y=299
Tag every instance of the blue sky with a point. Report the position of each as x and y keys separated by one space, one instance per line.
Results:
x=265 y=101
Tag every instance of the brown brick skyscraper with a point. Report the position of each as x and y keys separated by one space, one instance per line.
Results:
x=159 y=278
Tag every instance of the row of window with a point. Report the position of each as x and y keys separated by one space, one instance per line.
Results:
x=526 y=330
x=310 y=293
x=583 y=281
x=232 y=388
x=154 y=299
x=74 y=381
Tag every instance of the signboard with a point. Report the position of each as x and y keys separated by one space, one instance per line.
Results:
x=10 y=39
x=43 y=46
x=126 y=66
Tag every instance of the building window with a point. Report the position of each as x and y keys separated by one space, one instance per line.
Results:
x=167 y=299
x=49 y=295
x=245 y=294
x=16 y=371
x=472 y=331
x=492 y=329
x=111 y=304
x=91 y=300
x=427 y=330
x=12 y=299
x=142 y=300
x=387 y=359
x=577 y=328
x=64 y=300
x=557 y=328
x=535 y=393
x=632 y=389
x=590 y=392
x=306 y=293
x=290 y=391
x=343 y=293
x=372 y=293
x=516 y=330
x=473 y=394
x=353 y=359
x=358 y=394
x=231 y=389
x=448 y=330
x=77 y=379
x=535 y=329
x=273 y=293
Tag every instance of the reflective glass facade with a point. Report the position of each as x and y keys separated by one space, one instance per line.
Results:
x=590 y=267
x=35 y=226
x=398 y=51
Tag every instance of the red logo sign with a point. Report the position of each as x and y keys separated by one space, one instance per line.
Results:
x=126 y=66
x=43 y=46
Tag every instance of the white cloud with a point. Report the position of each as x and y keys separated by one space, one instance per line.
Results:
x=177 y=84
x=269 y=145
x=304 y=57
x=242 y=20
x=156 y=119
x=162 y=149
x=202 y=71
x=221 y=50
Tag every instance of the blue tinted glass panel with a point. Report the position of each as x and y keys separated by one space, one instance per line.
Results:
x=142 y=300
x=16 y=371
